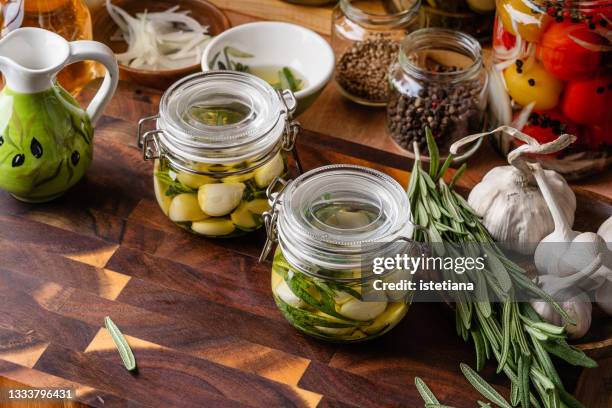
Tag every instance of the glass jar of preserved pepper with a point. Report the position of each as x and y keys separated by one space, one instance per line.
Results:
x=221 y=138
x=329 y=224
x=553 y=75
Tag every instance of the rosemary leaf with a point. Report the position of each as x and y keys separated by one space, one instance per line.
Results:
x=483 y=387
x=121 y=343
x=434 y=153
x=506 y=322
x=523 y=373
x=425 y=392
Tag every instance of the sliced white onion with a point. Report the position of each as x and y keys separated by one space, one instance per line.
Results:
x=521 y=119
x=590 y=46
x=499 y=101
x=168 y=39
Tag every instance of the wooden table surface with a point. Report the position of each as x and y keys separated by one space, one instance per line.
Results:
x=199 y=313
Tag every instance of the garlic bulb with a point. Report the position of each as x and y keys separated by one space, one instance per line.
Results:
x=603 y=297
x=564 y=252
x=579 y=309
x=509 y=201
x=605 y=231
x=513 y=210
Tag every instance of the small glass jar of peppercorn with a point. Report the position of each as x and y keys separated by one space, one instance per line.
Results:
x=438 y=81
x=554 y=59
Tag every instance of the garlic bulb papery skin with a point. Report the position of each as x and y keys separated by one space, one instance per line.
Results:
x=603 y=297
x=513 y=209
x=508 y=199
x=578 y=308
x=605 y=231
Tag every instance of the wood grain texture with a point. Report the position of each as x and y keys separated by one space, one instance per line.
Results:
x=315 y=18
x=198 y=312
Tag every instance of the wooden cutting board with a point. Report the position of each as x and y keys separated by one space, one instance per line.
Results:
x=198 y=313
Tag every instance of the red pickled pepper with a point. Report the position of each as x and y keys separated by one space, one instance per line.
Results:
x=564 y=57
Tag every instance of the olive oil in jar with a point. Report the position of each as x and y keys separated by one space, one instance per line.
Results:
x=70 y=19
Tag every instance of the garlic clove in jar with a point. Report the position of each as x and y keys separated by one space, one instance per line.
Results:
x=160 y=189
x=363 y=311
x=214 y=227
x=194 y=180
x=284 y=292
x=269 y=171
x=220 y=199
x=185 y=207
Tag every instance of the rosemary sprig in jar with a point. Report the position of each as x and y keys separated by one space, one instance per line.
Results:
x=511 y=332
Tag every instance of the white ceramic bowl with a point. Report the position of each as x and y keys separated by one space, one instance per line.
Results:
x=279 y=44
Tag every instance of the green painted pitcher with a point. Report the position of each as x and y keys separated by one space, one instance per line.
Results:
x=46 y=141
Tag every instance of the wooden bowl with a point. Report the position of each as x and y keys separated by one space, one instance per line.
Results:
x=204 y=12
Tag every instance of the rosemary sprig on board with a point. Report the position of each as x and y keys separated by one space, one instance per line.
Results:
x=511 y=332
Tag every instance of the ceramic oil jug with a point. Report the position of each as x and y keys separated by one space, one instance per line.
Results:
x=45 y=137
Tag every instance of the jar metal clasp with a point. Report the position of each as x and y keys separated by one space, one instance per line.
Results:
x=273 y=192
x=147 y=141
x=292 y=127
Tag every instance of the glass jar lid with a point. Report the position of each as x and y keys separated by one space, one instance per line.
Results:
x=333 y=216
x=222 y=117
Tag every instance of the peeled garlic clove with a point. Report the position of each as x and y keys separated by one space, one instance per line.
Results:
x=220 y=199
x=269 y=171
x=363 y=311
x=160 y=189
x=238 y=178
x=214 y=227
x=258 y=206
x=284 y=292
x=394 y=313
x=194 y=180
x=341 y=297
x=185 y=207
x=335 y=331
x=351 y=219
x=243 y=218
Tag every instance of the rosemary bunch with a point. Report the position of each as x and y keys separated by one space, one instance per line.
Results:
x=511 y=332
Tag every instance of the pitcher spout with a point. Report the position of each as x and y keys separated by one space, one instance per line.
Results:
x=30 y=58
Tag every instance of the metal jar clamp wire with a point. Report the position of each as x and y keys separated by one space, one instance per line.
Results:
x=273 y=192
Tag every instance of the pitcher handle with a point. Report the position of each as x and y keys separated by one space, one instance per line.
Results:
x=95 y=51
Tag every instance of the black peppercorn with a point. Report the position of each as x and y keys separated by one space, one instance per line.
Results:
x=601 y=90
x=531 y=82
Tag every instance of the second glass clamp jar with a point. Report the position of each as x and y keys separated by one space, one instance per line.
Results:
x=438 y=81
x=330 y=223
x=365 y=39
x=221 y=138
